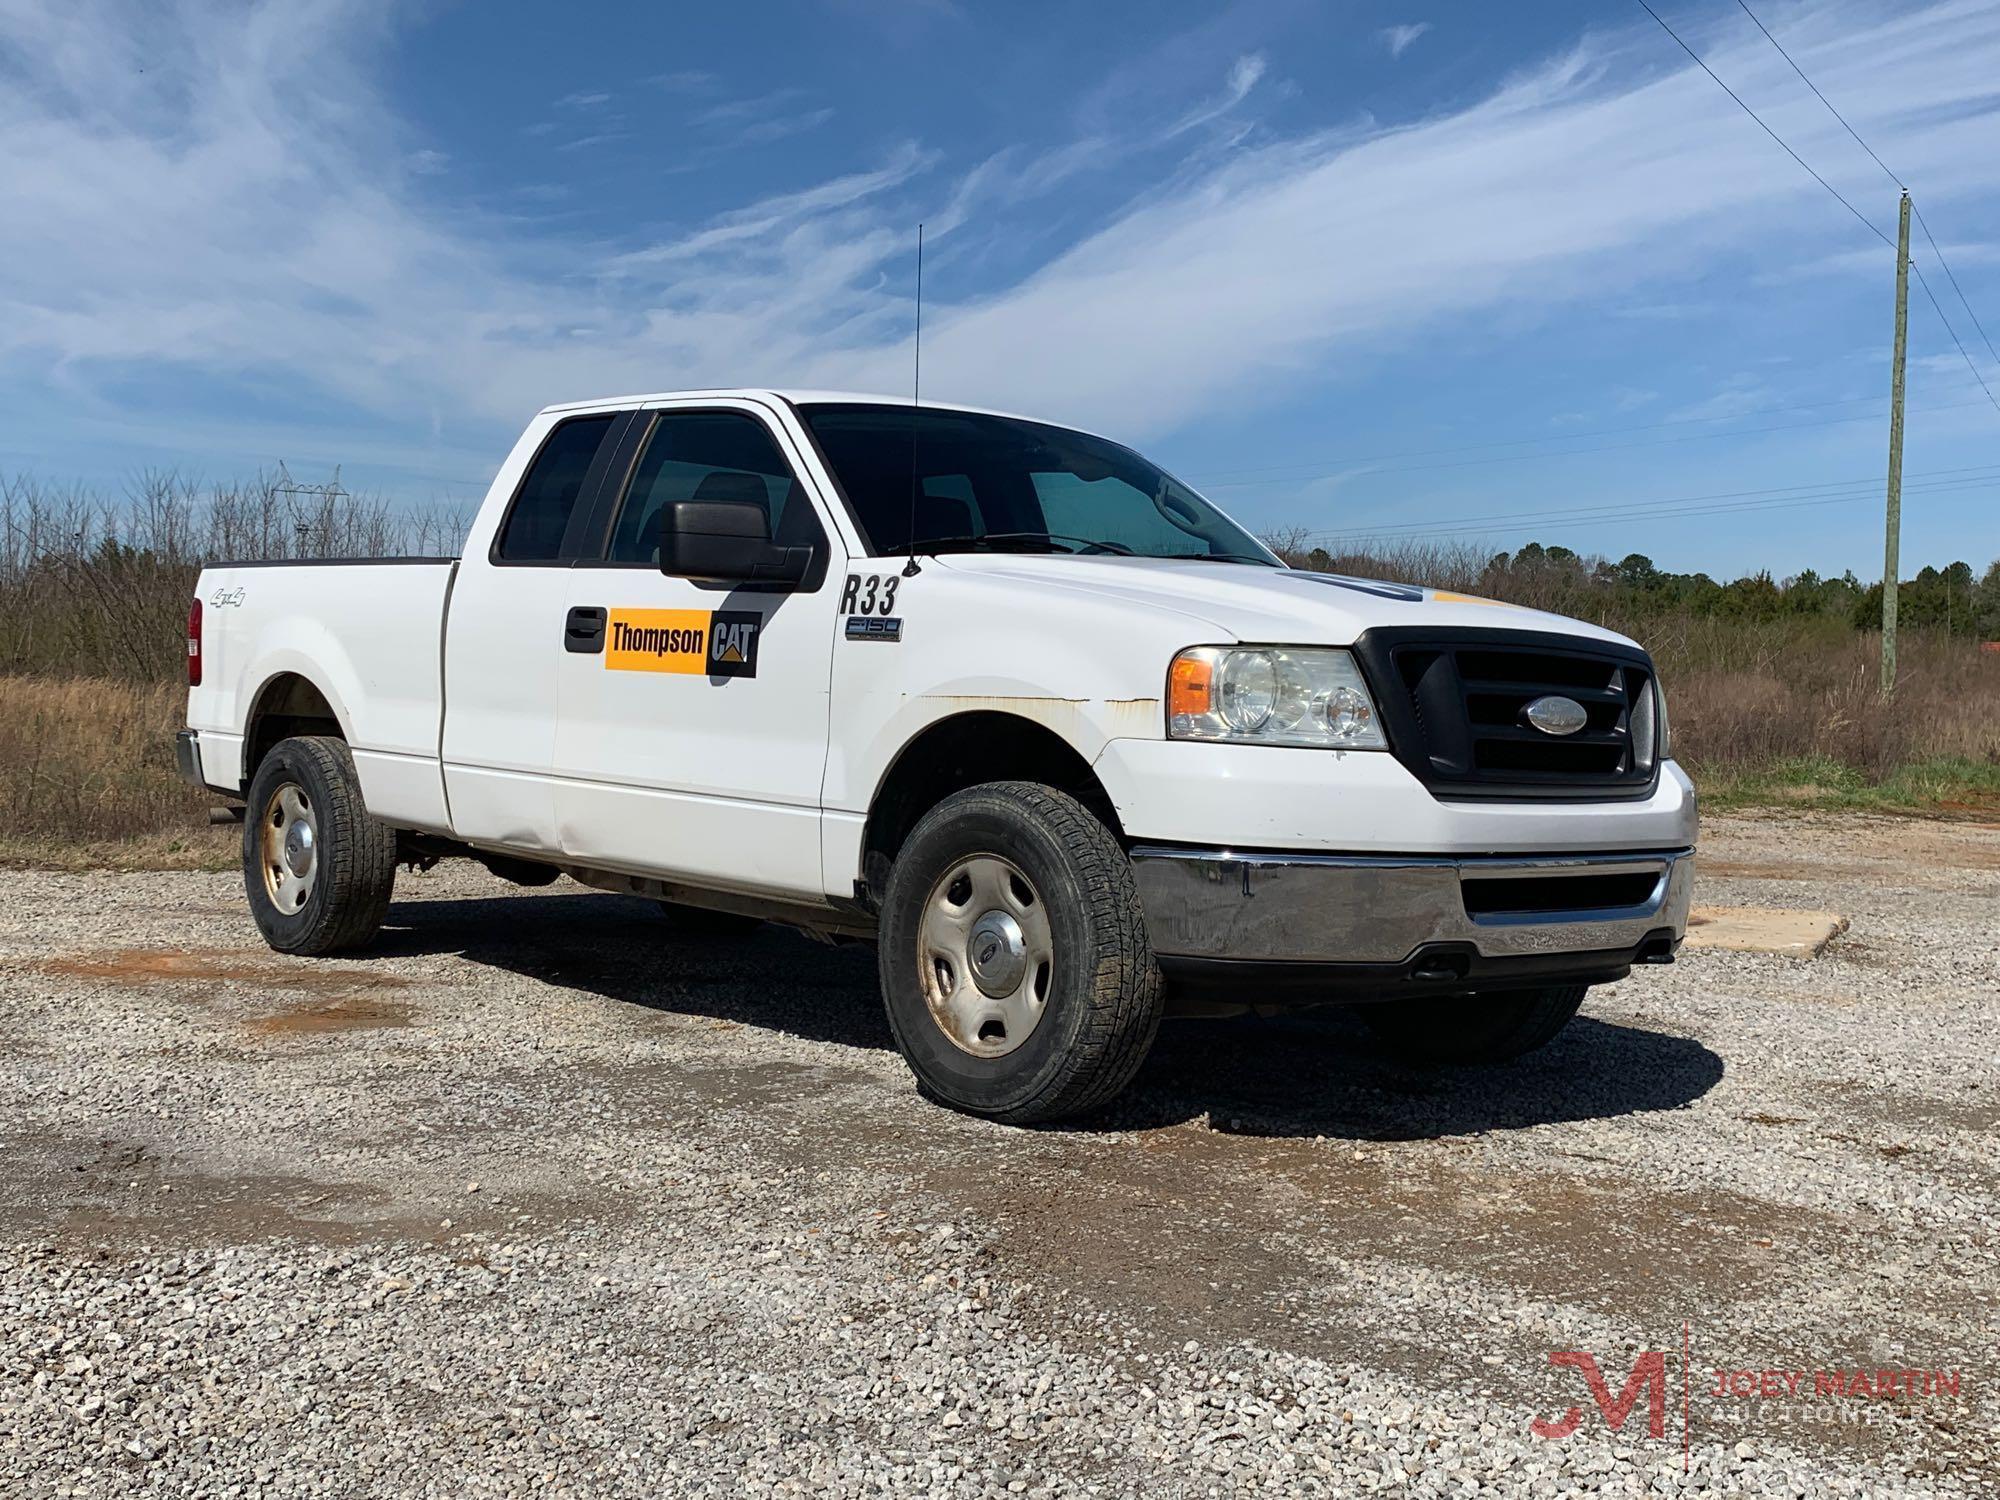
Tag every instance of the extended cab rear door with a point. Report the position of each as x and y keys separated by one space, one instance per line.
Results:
x=692 y=734
x=505 y=628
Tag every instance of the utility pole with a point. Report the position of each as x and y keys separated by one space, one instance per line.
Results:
x=1893 y=534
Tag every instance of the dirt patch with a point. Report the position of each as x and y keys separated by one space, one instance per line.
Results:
x=148 y=966
x=1755 y=869
x=352 y=1013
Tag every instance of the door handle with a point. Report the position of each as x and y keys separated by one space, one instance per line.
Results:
x=583 y=630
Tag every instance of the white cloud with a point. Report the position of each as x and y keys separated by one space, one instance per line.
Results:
x=1399 y=39
x=236 y=210
x=1243 y=76
x=683 y=81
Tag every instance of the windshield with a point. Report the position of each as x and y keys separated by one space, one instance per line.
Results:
x=1002 y=484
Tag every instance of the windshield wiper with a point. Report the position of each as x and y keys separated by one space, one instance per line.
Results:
x=1085 y=544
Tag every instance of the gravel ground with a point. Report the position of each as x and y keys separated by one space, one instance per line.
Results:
x=543 y=1199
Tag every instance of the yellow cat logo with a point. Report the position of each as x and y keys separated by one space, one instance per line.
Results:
x=691 y=642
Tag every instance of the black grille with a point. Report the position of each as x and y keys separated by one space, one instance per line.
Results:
x=1455 y=710
x=1494 y=895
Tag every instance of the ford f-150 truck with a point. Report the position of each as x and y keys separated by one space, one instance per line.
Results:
x=1066 y=743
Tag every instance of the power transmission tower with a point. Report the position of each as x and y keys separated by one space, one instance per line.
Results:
x=1892 y=538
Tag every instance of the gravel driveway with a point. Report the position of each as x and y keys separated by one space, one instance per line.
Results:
x=543 y=1199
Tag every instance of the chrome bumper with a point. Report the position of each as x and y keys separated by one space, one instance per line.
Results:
x=1386 y=910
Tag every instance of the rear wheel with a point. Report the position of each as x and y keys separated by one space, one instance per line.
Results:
x=317 y=869
x=1013 y=956
x=1487 y=1028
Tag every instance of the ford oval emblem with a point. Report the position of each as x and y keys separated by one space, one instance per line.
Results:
x=1554 y=715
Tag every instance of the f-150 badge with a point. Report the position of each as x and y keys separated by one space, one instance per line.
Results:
x=718 y=643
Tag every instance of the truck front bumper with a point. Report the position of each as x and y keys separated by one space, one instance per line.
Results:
x=1385 y=926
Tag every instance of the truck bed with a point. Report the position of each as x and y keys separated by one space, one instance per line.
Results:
x=368 y=630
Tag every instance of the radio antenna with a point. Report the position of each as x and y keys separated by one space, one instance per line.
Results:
x=916 y=399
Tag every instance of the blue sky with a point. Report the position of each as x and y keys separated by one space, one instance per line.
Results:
x=1361 y=266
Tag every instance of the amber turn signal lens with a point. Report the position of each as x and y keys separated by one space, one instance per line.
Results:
x=1189 y=685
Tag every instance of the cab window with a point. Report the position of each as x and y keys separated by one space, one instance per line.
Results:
x=707 y=455
x=540 y=514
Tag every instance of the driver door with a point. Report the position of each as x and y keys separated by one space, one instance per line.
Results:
x=692 y=733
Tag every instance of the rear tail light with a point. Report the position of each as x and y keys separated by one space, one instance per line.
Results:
x=194 y=643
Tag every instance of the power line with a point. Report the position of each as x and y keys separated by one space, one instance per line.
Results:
x=1471 y=525
x=1819 y=96
x=1887 y=171
x=1514 y=458
x=1924 y=282
x=1364 y=538
x=1939 y=253
x=1935 y=249
x=1552 y=437
x=1763 y=127
x=1972 y=474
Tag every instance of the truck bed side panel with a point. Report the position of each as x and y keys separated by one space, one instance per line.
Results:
x=366 y=635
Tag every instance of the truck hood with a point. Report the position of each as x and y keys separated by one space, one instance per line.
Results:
x=1276 y=605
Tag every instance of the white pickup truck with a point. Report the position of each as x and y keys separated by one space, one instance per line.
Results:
x=1066 y=743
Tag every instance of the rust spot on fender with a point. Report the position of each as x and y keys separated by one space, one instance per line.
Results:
x=1121 y=715
x=1000 y=701
x=1129 y=714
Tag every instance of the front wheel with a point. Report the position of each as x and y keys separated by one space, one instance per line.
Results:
x=1013 y=953
x=1489 y=1028
x=317 y=869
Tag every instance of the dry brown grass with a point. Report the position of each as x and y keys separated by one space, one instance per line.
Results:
x=1819 y=698
x=87 y=777
x=1779 y=711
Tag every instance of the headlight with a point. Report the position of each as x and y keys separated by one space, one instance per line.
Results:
x=1648 y=723
x=1271 y=695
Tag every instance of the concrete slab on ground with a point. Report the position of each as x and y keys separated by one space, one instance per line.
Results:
x=1764 y=929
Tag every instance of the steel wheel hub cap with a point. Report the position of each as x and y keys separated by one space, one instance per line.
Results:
x=299 y=847
x=289 y=848
x=987 y=955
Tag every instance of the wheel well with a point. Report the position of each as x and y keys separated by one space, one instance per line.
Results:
x=288 y=705
x=968 y=750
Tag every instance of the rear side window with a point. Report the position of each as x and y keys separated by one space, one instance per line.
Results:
x=547 y=498
x=708 y=455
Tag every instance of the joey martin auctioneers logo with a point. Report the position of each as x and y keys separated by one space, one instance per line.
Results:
x=1825 y=1394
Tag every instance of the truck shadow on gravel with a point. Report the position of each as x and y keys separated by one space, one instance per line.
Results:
x=1312 y=1073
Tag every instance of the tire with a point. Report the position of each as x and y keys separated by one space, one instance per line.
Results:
x=1488 y=1028
x=700 y=921
x=1088 y=1002
x=328 y=890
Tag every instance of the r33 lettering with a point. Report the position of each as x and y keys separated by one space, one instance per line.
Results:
x=869 y=594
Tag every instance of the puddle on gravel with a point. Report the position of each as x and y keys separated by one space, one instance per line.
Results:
x=353 y=997
x=145 y=966
x=353 y=1013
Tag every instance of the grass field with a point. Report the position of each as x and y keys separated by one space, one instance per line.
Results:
x=1766 y=707
x=1760 y=717
x=87 y=778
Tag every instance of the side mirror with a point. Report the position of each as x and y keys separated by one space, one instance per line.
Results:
x=725 y=541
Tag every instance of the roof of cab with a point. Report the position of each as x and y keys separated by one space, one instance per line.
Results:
x=754 y=393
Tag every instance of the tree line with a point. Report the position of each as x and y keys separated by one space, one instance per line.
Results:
x=1953 y=599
